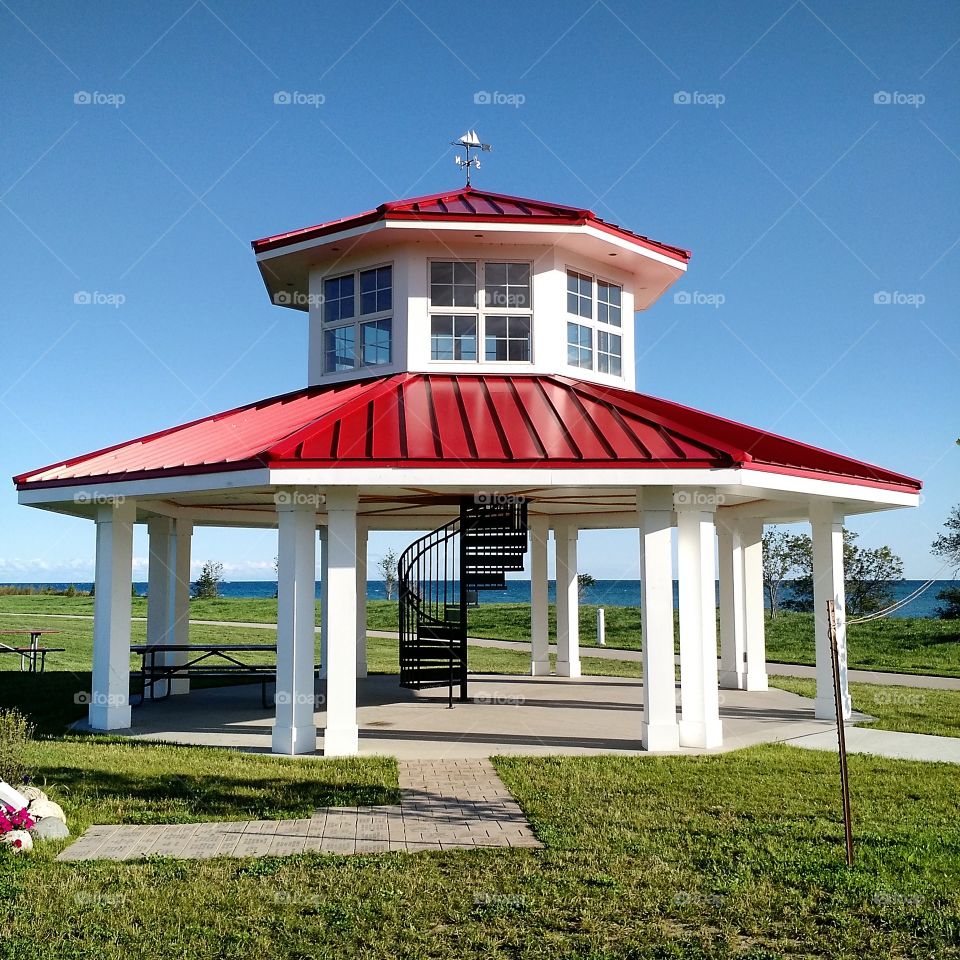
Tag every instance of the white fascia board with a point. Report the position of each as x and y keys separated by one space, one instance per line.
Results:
x=334 y=237
x=85 y=492
x=827 y=489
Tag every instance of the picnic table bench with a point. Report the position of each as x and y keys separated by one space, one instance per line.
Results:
x=33 y=658
x=202 y=660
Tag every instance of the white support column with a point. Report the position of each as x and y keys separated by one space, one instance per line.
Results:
x=568 y=602
x=751 y=546
x=539 y=606
x=361 y=601
x=109 y=707
x=159 y=580
x=324 y=597
x=179 y=598
x=341 y=736
x=828 y=584
x=699 y=696
x=659 y=730
x=294 y=730
x=733 y=611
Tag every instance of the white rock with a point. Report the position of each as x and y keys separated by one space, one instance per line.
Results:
x=26 y=841
x=50 y=828
x=46 y=808
x=12 y=798
x=31 y=793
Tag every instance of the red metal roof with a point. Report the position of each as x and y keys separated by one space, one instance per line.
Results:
x=469 y=204
x=447 y=420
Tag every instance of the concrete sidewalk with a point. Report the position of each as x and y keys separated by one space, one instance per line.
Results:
x=885 y=743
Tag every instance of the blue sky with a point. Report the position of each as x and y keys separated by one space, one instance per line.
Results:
x=804 y=200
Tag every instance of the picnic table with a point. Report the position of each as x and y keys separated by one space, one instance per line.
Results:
x=33 y=655
x=203 y=659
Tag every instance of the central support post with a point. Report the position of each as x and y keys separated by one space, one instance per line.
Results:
x=539 y=607
x=568 y=602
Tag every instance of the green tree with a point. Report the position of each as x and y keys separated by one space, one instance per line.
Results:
x=781 y=554
x=207 y=586
x=585 y=583
x=947 y=545
x=388 y=570
x=869 y=575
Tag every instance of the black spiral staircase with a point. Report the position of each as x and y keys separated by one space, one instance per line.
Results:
x=439 y=577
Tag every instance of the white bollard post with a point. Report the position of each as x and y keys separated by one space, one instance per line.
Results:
x=601 y=628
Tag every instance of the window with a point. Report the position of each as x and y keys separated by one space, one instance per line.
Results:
x=376 y=290
x=507 y=285
x=608 y=303
x=453 y=284
x=453 y=338
x=339 y=349
x=507 y=338
x=579 y=294
x=375 y=338
x=356 y=311
x=480 y=303
x=608 y=352
x=580 y=345
x=338 y=298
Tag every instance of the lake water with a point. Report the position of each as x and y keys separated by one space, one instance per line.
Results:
x=606 y=593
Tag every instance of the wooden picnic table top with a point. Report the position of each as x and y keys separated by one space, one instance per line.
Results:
x=5 y=649
x=32 y=633
x=200 y=647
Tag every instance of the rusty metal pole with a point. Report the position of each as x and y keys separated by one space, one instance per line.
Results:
x=841 y=733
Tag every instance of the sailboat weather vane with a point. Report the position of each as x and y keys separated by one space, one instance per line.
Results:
x=469 y=141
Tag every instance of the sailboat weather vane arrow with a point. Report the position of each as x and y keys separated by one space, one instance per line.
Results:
x=469 y=141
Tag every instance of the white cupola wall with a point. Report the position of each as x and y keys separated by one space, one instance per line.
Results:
x=469 y=282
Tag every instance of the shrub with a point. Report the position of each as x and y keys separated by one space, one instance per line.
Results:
x=951 y=603
x=15 y=734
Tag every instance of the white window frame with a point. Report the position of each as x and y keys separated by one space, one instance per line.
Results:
x=593 y=322
x=480 y=311
x=359 y=319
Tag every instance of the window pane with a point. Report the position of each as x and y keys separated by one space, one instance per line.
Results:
x=339 y=349
x=608 y=303
x=375 y=339
x=453 y=284
x=608 y=352
x=579 y=346
x=441 y=272
x=507 y=339
x=579 y=294
x=496 y=274
x=507 y=285
x=338 y=298
x=376 y=290
x=453 y=338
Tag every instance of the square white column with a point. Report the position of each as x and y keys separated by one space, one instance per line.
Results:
x=733 y=611
x=109 y=707
x=751 y=547
x=294 y=730
x=568 y=602
x=699 y=695
x=659 y=730
x=826 y=524
x=341 y=736
x=159 y=580
x=324 y=597
x=539 y=607
x=179 y=595
x=361 y=601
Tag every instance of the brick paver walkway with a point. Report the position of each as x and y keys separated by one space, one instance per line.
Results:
x=445 y=804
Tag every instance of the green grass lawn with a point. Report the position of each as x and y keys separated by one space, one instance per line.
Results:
x=729 y=856
x=907 y=709
x=898 y=645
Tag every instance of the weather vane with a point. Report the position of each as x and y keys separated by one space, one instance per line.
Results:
x=469 y=141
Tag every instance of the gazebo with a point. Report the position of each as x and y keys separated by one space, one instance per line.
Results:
x=469 y=349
